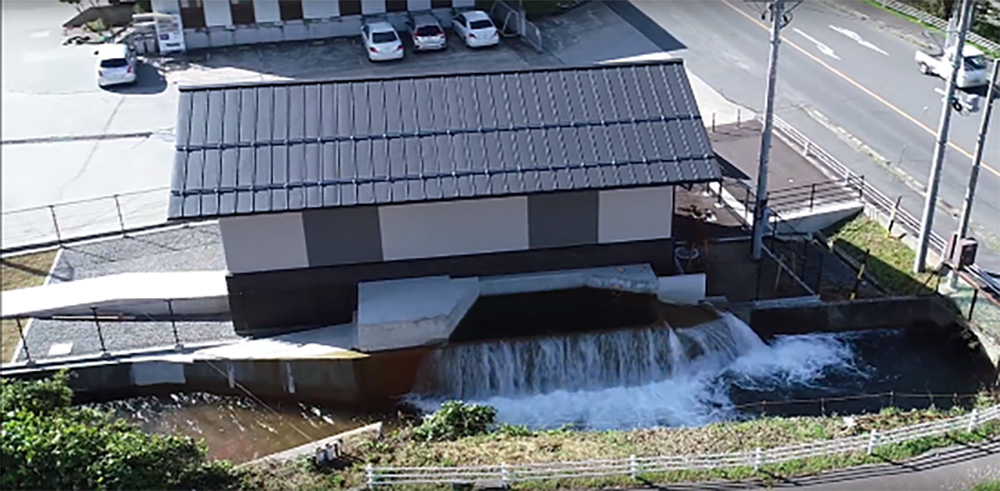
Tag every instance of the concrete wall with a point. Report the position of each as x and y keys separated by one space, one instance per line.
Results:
x=268 y=10
x=166 y=6
x=854 y=315
x=217 y=13
x=320 y=9
x=264 y=242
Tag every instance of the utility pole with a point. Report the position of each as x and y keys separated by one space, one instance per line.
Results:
x=760 y=211
x=970 y=192
x=933 y=181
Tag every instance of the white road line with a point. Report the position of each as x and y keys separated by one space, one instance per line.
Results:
x=857 y=38
x=826 y=50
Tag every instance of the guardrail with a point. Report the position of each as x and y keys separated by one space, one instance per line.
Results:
x=69 y=221
x=937 y=22
x=634 y=466
x=876 y=198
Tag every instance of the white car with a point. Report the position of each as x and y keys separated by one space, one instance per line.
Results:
x=427 y=33
x=115 y=64
x=382 y=41
x=476 y=29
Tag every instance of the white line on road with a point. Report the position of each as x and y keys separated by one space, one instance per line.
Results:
x=826 y=50
x=857 y=38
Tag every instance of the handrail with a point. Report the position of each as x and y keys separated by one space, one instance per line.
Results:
x=634 y=466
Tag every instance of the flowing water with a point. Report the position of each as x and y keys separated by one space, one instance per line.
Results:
x=669 y=377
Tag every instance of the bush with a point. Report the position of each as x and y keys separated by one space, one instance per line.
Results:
x=49 y=444
x=456 y=420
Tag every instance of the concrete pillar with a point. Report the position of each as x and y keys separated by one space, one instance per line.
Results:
x=217 y=13
x=369 y=7
x=320 y=9
x=266 y=11
x=463 y=3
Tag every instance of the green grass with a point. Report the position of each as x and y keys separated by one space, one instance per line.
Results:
x=399 y=448
x=890 y=261
x=987 y=486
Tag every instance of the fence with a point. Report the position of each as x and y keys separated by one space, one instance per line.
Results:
x=874 y=198
x=633 y=466
x=936 y=22
x=83 y=219
x=514 y=21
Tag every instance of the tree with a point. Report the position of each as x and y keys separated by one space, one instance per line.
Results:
x=49 y=444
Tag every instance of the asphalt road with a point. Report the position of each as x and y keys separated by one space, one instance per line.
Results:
x=849 y=83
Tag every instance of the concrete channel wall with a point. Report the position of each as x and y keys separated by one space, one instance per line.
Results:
x=854 y=315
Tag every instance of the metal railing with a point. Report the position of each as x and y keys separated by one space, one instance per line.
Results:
x=935 y=21
x=68 y=221
x=809 y=196
x=634 y=466
x=875 y=198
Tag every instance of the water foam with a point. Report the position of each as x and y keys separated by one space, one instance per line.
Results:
x=626 y=378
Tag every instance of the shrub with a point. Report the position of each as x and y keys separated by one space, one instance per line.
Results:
x=456 y=420
x=49 y=444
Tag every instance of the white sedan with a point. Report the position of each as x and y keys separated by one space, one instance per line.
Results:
x=476 y=29
x=382 y=42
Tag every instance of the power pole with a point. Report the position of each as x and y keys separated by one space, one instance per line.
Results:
x=970 y=192
x=760 y=211
x=942 y=141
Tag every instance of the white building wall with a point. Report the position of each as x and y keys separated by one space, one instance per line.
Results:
x=218 y=13
x=418 y=4
x=166 y=6
x=247 y=249
x=266 y=11
x=463 y=3
x=454 y=228
x=320 y=9
x=635 y=214
x=369 y=7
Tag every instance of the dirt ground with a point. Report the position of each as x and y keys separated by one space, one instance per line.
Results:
x=21 y=272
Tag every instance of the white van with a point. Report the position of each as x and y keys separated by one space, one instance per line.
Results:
x=115 y=64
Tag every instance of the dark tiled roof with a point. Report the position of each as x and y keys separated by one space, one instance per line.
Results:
x=288 y=146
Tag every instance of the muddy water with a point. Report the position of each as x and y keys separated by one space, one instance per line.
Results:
x=238 y=429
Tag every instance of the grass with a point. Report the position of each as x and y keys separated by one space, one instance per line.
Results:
x=984 y=49
x=399 y=448
x=890 y=261
x=987 y=486
x=21 y=272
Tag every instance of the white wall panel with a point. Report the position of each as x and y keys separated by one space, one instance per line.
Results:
x=635 y=214
x=463 y=3
x=218 y=13
x=266 y=11
x=264 y=242
x=418 y=5
x=369 y=7
x=320 y=9
x=166 y=6
x=454 y=228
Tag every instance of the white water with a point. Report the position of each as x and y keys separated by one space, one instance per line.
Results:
x=626 y=378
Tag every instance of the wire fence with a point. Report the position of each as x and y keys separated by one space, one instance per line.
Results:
x=70 y=221
x=636 y=466
x=935 y=21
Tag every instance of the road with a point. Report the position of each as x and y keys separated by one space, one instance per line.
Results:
x=850 y=84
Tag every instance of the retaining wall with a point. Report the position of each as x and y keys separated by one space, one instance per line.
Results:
x=876 y=313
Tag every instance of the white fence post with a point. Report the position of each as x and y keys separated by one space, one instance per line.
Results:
x=871 y=442
x=757 y=459
x=635 y=466
x=972 y=420
x=370 y=476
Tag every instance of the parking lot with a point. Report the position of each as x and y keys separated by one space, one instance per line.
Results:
x=66 y=139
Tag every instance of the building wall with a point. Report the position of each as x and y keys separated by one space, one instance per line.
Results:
x=267 y=10
x=358 y=235
x=217 y=13
x=320 y=9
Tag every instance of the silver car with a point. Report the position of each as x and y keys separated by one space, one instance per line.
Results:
x=427 y=32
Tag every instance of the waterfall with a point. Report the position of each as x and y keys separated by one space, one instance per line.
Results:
x=656 y=376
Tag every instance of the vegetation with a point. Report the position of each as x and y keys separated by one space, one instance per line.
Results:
x=20 y=272
x=889 y=262
x=516 y=444
x=456 y=420
x=986 y=22
x=49 y=444
x=987 y=486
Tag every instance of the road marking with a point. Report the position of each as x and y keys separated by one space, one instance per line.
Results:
x=857 y=38
x=862 y=88
x=826 y=50
x=39 y=34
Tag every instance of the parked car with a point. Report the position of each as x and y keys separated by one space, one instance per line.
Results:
x=427 y=32
x=476 y=29
x=115 y=64
x=382 y=41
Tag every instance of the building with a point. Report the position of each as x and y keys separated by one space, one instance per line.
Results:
x=212 y=23
x=321 y=185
